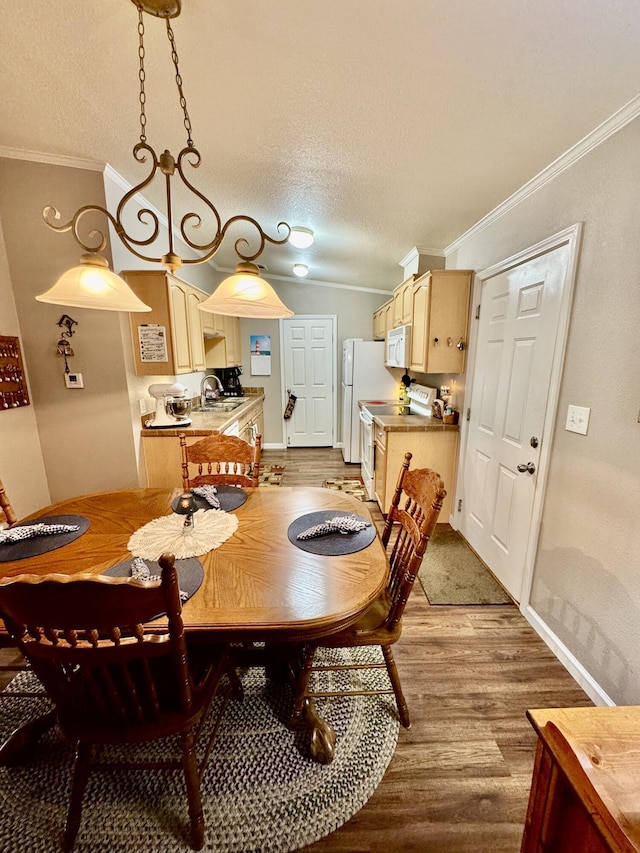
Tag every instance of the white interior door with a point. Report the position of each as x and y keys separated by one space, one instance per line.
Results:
x=309 y=373
x=518 y=355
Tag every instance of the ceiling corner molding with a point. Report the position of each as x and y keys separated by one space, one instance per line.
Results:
x=51 y=159
x=592 y=140
x=416 y=252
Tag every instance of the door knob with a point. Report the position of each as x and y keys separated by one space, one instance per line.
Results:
x=529 y=467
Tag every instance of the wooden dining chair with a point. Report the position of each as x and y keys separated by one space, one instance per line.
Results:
x=10 y=659
x=220 y=460
x=413 y=514
x=7 y=514
x=113 y=680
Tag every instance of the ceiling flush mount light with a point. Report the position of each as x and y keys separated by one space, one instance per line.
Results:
x=301 y=238
x=78 y=289
x=300 y=270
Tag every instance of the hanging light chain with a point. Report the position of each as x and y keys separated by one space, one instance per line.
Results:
x=183 y=100
x=142 y=76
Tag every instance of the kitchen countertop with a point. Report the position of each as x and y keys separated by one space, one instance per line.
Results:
x=207 y=423
x=408 y=423
x=412 y=423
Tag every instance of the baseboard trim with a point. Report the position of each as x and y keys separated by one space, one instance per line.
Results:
x=567 y=658
x=273 y=447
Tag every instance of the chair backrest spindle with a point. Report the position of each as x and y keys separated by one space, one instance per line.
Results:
x=416 y=518
x=7 y=513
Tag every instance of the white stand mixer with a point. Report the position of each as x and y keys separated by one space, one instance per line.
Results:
x=173 y=407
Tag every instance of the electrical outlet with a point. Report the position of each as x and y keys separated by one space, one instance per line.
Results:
x=143 y=407
x=577 y=419
x=73 y=380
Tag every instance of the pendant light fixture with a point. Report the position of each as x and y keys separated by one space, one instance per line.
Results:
x=93 y=285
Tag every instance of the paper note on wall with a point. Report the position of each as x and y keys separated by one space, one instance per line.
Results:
x=152 y=339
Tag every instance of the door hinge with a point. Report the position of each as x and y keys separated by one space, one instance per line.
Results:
x=478 y=312
x=469 y=414
x=288 y=440
x=460 y=505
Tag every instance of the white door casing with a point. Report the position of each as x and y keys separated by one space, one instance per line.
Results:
x=309 y=371
x=518 y=351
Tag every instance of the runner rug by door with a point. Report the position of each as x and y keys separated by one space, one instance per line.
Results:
x=451 y=573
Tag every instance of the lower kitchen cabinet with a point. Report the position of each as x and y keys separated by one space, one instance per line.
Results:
x=435 y=448
x=161 y=450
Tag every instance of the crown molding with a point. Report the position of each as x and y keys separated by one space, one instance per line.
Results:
x=416 y=252
x=592 y=140
x=51 y=159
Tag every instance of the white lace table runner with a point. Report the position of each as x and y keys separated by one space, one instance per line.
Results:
x=168 y=534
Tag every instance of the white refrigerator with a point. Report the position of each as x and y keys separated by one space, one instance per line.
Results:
x=364 y=377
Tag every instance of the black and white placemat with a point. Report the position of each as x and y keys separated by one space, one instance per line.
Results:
x=334 y=544
x=230 y=497
x=190 y=573
x=37 y=545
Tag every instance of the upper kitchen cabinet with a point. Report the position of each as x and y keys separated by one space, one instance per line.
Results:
x=212 y=324
x=440 y=322
x=225 y=349
x=402 y=302
x=171 y=340
x=382 y=320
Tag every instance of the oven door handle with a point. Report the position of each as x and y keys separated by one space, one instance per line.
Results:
x=366 y=418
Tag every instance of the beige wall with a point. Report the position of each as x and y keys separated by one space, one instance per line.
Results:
x=85 y=435
x=21 y=465
x=586 y=585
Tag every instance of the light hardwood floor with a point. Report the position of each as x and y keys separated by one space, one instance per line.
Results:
x=459 y=780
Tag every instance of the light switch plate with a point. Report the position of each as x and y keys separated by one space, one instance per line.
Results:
x=73 y=380
x=578 y=419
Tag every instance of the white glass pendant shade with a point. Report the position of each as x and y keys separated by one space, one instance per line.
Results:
x=301 y=238
x=93 y=285
x=245 y=294
x=300 y=270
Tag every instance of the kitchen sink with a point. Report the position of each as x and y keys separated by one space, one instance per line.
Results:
x=219 y=406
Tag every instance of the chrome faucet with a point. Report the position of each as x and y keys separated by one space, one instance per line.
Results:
x=203 y=389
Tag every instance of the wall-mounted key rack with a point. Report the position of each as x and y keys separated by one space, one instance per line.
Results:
x=13 y=386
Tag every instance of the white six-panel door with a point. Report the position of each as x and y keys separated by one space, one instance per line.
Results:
x=309 y=369
x=517 y=335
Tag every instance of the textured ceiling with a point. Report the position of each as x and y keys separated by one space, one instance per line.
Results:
x=380 y=124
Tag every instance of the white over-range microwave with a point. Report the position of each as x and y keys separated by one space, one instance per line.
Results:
x=398 y=352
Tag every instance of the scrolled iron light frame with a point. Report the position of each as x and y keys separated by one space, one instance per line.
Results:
x=167 y=165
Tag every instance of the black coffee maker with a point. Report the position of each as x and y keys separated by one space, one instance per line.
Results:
x=230 y=378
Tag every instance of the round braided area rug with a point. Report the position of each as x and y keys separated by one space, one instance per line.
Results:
x=261 y=792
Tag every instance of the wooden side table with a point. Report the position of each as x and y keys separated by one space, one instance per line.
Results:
x=585 y=792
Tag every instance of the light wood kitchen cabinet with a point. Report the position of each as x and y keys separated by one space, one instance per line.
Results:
x=382 y=320
x=252 y=424
x=212 y=324
x=168 y=341
x=403 y=302
x=161 y=448
x=440 y=321
x=225 y=350
x=436 y=449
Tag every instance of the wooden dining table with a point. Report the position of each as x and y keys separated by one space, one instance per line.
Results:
x=257 y=587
